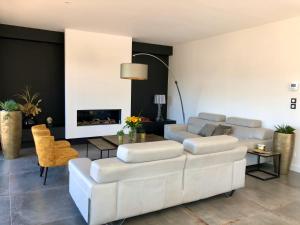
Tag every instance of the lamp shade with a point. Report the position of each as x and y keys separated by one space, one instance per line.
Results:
x=134 y=71
x=159 y=99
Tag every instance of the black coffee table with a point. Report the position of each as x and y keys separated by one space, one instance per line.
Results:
x=111 y=142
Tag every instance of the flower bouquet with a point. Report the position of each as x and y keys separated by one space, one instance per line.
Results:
x=133 y=123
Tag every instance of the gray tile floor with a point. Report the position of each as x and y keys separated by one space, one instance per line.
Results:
x=25 y=201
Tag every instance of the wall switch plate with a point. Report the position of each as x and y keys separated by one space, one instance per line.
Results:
x=293 y=106
x=294 y=86
x=294 y=100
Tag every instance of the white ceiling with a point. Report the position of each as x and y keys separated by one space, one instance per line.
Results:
x=153 y=21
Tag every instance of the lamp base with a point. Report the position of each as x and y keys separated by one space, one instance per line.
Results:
x=159 y=116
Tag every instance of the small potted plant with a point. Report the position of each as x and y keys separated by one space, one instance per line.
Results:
x=30 y=108
x=120 y=135
x=284 y=142
x=142 y=133
x=133 y=123
x=11 y=129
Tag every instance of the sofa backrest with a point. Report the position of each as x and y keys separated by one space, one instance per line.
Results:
x=243 y=122
x=212 y=117
x=139 y=160
x=243 y=128
x=114 y=170
x=195 y=124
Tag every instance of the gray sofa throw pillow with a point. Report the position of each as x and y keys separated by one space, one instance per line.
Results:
x=207 y=130
x=222 y=130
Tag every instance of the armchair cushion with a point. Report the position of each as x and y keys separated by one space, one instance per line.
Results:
x=63 y=155
x=62 y=144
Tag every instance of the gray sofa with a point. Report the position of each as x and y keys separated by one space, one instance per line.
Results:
x=248 y=131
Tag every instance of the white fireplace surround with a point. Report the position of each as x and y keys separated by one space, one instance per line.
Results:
x=92 y=79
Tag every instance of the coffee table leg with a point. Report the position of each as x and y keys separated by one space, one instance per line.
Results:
x=100 y=154
x=258 y=162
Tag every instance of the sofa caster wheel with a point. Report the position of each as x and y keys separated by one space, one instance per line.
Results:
x=229 y=194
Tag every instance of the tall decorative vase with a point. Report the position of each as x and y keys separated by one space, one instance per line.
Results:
x=11 y=133
x=284 y=143
x=132 y=135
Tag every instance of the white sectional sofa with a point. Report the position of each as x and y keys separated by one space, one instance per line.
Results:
x=146 y=177
x=248 y=131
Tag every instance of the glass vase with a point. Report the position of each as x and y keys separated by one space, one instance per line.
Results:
x=132 y=134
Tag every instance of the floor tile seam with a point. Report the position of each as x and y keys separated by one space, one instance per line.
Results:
x=60 y=219
x=190 y=212
x=39 y=190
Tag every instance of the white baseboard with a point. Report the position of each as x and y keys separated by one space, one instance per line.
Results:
x=295 y=168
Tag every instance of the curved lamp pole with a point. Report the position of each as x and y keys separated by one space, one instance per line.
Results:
x=145 y=77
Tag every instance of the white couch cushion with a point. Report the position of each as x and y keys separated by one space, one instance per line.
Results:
x=212 y=117
x=180 y=136
x=243 y=122
x=149 y=151
x=251 y=133
x=195 y=124
x=199 y=146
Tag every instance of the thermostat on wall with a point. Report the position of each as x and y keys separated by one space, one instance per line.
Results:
x=294 y=86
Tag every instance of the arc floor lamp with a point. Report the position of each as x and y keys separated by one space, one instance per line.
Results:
x=138 y=71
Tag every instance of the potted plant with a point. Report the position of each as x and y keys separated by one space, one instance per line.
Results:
x=133 y=122
x=11 y=129
x=120 y=135
x=30 y=108
x=283 y=142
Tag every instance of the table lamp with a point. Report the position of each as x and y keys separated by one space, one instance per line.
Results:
x=159 y=100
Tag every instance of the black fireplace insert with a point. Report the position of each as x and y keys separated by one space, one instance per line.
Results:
x=98 y=117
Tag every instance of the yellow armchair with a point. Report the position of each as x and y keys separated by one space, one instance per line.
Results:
x=42 y=130
x=51 y=153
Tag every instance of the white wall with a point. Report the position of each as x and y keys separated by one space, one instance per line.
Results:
x=92 y=79
x=244 y=73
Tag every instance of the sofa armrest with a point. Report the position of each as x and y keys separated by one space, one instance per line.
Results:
x=263 y=134
x=170 y=128
x=79 y=170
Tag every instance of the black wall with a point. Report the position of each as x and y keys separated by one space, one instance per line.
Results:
x=35 y=58
x=142 y=92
